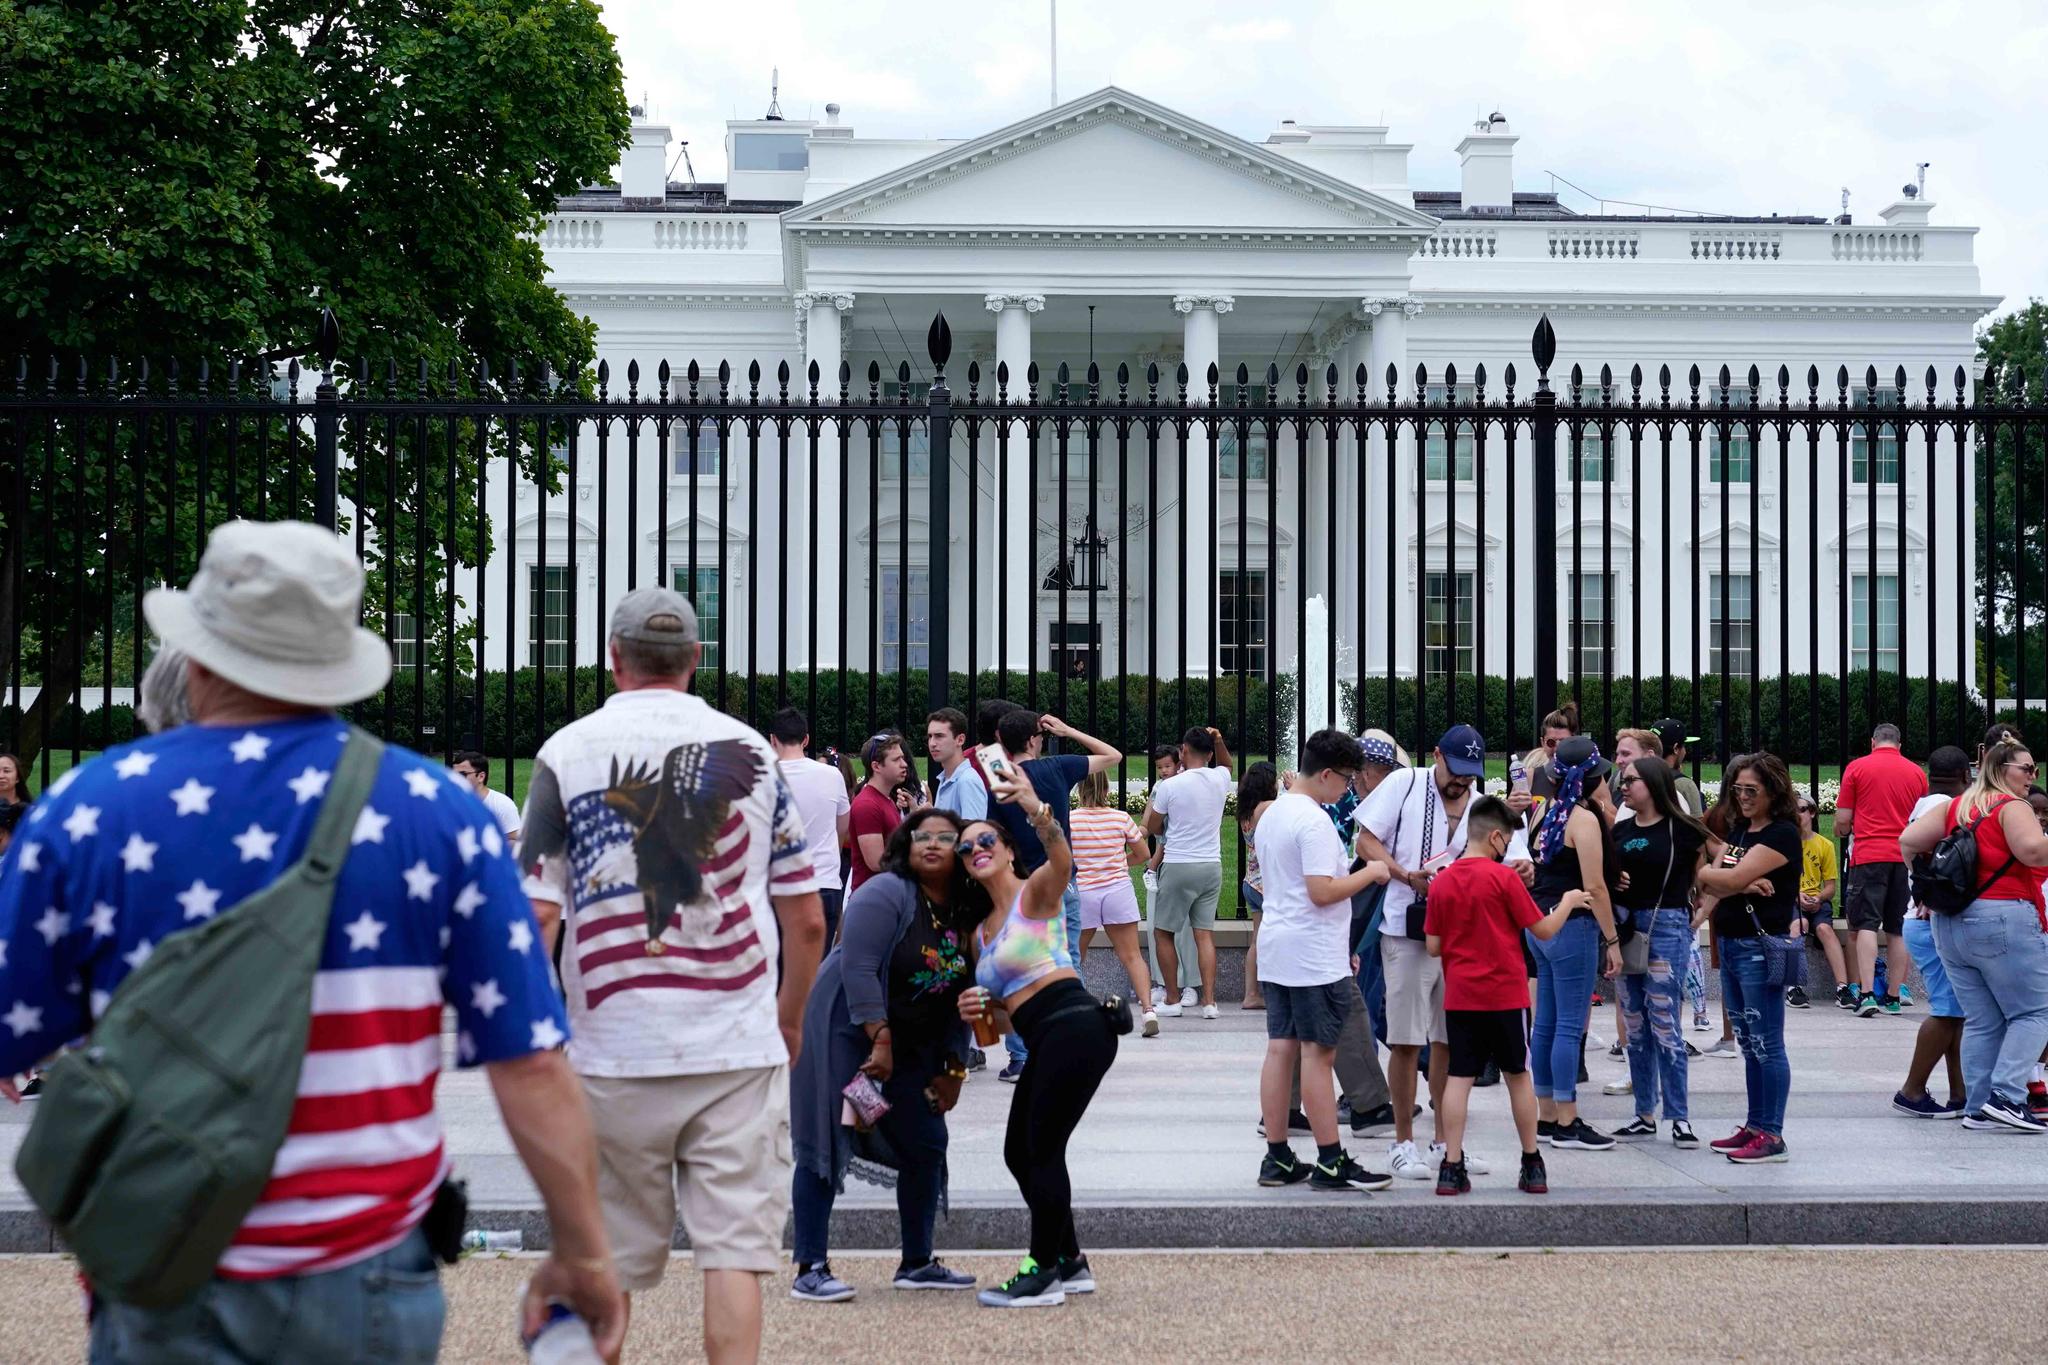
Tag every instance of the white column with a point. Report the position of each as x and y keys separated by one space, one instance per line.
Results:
x=818 y=313
x=1388 y=345
x=1200 y=341
x=1013 y=349
x=1353 y=496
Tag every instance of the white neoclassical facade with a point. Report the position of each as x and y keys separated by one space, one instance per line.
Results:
x=1115 y=229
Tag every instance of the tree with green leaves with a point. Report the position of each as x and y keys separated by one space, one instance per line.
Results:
x=2012 y=528
x=184 y=185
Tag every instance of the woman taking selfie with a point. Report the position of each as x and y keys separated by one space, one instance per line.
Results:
x=1756 y=881
x=1025 y=976
x=885 y=1007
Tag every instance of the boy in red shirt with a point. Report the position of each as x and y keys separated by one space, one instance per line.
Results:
x=1477 y=911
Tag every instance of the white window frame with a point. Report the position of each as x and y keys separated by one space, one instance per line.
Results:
x=1461 y=653
x=1889 y=656
x=544 y=648
x=1259 y=639
x=708 y=618
x=1745 y=643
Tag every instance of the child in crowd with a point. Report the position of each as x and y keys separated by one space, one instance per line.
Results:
x=1477 y=910
x=1819 y=871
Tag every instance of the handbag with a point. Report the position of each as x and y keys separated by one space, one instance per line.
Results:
x=1635 y=949
x=1784 y=956
x=1412 y=925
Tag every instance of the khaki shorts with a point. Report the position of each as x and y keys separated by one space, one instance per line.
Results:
x=716 y=1145
x=1415 y=993
x=1187 y=897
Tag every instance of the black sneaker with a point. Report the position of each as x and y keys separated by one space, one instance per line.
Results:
x=34 y=1088
x=1546 y=1131
x=1534 y=1179
x=1274 y=1172
x=1346 y=1174
x=1682 y=1135
x=1488 y=1075
x=1578 y=1133
x=1845 y=997
x=1638 y=1127
x=1382 y=1118
x=1618 y=1049
x=1075 y=1276
x=1033 y=1286
x=1451 y=1178
x=1795 y=996
x=1297 y=1125
x=977 y=1060
x=2016 y=1116
x=1868 y=1008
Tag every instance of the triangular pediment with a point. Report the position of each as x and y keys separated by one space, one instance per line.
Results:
x=1114 y=162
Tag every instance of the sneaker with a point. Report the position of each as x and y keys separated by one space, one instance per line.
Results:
x=2013 y=1115
x=2037 y=1098
x=1761 y=1149
x=1905 y=996
x=1488 y=1075
x=1890 y=1005
x=1578 y=1133
x=1158 y=996
x=1406 y=1162
x=1795 y=996
x=1297 y=1125
x=1452 y=1179
x=1075 y=1276
x=1845 y=996
x=1534 y=1179
x=1274 y=1172
x=1546 y=1130
x=932 y=1275
x=34 y=1089
x=1150 y=1028
x=1011 y=1071
x=1619 y=1050
x=1690 y=1050
x=1682 y=1135
x=1382 y=1118
x=1170 y=1011
x=977 y=1060
x=1624 y=1086
x=1700 y=1023
x=1209 y=1012
x=1739 y=1138
x=1346 y=1174
x=1725 y=1048
x=1867 y=1007
x=1472 y=1161
x=1926 y=1107
x=1638 y=1127
x=1583 y=1077
x=1032 y=1286
x=1190 y=996
x=819 y=1285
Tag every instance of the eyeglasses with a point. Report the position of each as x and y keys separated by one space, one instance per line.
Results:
x=1745 y=789
x=1631 y=780
x=2028 y=768
x=983 y=842
x=944 y=838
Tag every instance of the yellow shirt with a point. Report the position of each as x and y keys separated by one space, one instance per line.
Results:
x=1817 y=864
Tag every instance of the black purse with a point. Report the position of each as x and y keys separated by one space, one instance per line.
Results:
x=1117 y=1010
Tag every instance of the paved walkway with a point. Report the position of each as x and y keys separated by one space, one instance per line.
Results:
x=1974 y=1305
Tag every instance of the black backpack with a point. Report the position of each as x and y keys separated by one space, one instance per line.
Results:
x=1946 y=879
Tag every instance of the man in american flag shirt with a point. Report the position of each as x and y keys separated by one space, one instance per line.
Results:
x=665 y=829
x=155 y=837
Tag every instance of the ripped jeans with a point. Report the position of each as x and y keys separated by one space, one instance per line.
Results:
x=1652 y=1007
x=1758 y=1013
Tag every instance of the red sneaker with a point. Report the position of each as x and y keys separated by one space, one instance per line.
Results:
x=1734 y=1141
x=2037 y=1099
x=1762 y=1148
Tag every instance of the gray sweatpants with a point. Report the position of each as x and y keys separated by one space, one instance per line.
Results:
x=1359 y=1078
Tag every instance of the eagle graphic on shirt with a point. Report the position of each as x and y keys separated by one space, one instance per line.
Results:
x=677 y=817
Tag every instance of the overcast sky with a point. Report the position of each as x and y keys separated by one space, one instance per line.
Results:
x=1731 y=107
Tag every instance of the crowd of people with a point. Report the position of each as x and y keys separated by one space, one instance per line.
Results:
x=712 y=974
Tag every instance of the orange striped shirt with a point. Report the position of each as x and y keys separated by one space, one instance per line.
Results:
x=1100 y=834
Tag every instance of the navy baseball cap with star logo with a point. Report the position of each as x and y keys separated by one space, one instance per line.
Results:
x=1464 y=751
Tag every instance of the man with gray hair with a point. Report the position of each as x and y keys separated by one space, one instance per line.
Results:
x=1879 y=791
x=665 y=831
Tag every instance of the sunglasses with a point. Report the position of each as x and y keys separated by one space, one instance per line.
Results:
x=983 y=842
x=2028 y=768
x=944 y=838
x=1631 y=780
x=1744 y=789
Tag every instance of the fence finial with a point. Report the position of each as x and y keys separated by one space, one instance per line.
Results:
x=1543 y=346
x=939 y=342
x=329 y=343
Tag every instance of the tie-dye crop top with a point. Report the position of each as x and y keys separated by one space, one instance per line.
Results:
x=1024 y=950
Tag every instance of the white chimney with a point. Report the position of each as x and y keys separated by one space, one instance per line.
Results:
x=643 y=166
x=1910 y=210
x=832 y=127
x=1486 y=160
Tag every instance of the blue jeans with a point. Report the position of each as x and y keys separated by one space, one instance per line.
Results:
x=1372 y=982
x=1653 y=1008
x=1997 y=960
x=918 y=1137
x=1757 y=1012
x=387 y=1309
x=1070 y=906
x=1565 y=968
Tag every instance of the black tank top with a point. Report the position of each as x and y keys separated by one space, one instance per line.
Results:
x=1559 y=875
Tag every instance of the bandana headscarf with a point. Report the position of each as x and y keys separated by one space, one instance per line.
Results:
x=1571 y=783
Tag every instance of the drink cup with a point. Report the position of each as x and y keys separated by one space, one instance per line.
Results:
x=986 y=1033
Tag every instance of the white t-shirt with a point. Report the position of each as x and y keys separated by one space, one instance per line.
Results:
x=655 y=794
x=1192 y=802
x=1301 y=943
x=820 y=795
x=502 y=810
x=1395 y=813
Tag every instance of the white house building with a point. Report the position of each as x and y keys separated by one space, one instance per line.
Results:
x=1115 y=229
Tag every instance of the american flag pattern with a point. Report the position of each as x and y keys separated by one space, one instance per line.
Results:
x=706 y=1001
x=428 y=912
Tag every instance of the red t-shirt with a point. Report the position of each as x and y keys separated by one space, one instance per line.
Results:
x=1881 y=788
x=2018 y=882
x=872 y=813
x=1479 y=909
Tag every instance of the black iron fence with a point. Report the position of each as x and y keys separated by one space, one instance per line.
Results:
x=1780 y=559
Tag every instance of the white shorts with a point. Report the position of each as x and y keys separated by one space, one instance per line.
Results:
x=1113 y=904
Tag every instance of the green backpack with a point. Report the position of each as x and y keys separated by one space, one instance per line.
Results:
x=154 y=1139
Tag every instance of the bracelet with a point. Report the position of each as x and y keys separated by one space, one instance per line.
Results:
x=1610 y=943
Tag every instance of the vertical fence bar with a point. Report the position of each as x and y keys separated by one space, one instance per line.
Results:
x=1511 y=616
x=1062 y=552
x=1900 y=434
x=1756 y=700
x=1543 y=534
x=939 y=568
x=1635 y=545
x=1479 y=576
x=782 y=583
x=1090 y=525
x=326 y=428
x=1812 y=422
x=1844 y=660
x=600 y=624
x=903 y=455
x=1152 y=612
x=1783 y=742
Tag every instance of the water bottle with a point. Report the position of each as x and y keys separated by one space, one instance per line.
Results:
x=479 y=1241
x=1518 y=775
x=1880 y=985
x=564 y=1339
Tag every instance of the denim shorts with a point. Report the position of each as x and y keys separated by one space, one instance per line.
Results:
x=1309 y=1014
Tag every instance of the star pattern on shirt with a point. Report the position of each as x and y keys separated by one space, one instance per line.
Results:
x=420 y=881
x=135 y=764
x=29 y=856
x=257 y=844
x=310 y=784
x=23 y=1019
x=494 y=843
x=98 y=1002
x=369 y=827
x=53 y=925
x=465 y=1046
x=138 y=854
x=138 y=955
x=193 y=798
x=83 y=822
x=522 y=936
x=250 y=748
x=485 y=997
x=467 y=900
x=466 y=845
x=546 y=1037
x=101 y=919
x=63 y=781
x=421 y=783
x=200 y=900
x=365 y=932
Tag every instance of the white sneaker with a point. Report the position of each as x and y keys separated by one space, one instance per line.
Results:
x=1190 y=996
x=1170 y=1011
x=1208 y=1011
x=1406 y=1162
x=1158 y=995
x=1151 y=1029
x=1474 y=1163
x=1620 y=1087
x=1594 y=1042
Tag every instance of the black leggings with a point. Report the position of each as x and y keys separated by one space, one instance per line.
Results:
x=1069 y=1055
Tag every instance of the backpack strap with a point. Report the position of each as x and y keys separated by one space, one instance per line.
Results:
x=348 y=791
x=2010 y=861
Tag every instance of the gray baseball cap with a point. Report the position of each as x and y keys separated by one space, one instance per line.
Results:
x=655 y=616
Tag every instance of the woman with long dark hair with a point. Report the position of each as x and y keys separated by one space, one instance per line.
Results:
x=1256 y=790
x=1657 y=855
x=14 y=789
x=1755 y=879
x=1024 y=974
x=885 y=1005
x=1570 y=846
